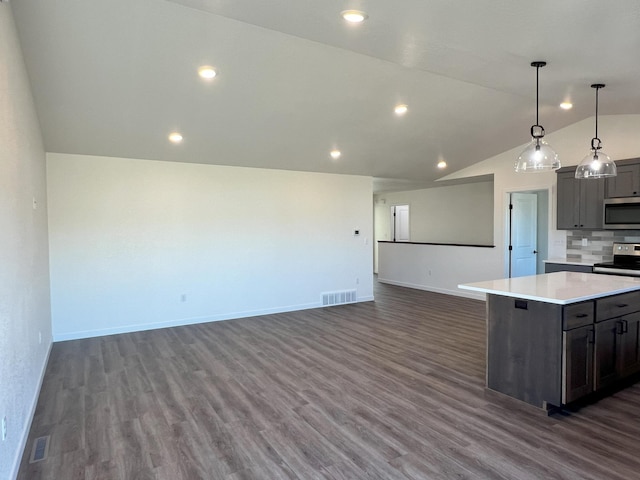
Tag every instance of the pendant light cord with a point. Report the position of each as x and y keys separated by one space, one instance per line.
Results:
x=597 y=90
x=595 y=142
x=537 y=131
x=537 y=93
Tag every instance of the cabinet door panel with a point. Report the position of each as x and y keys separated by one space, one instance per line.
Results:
x=629 y=358
x=625 y=184
x=580 y=202
x=577 y=371
x=606 y=353
x=568 y=208
x=591 y=203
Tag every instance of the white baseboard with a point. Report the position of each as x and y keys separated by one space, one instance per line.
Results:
x=428 y=288
x=63 y=336
x=32 y=411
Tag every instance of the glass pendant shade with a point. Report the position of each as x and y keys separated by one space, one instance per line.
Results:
x=596 y=164
x=537 y=157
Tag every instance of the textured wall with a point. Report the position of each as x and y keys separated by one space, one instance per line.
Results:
x=24 y=275
x=139 y=244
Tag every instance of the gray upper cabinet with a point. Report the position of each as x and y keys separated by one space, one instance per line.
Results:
x=627 y=182
x=580 y=202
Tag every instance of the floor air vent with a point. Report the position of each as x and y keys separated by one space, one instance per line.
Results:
x=338 y=298
x=40 y=449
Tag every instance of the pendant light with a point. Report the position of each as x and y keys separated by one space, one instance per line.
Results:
x=596 y=164
x=538 y=156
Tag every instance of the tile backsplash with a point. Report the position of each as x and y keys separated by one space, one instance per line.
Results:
x=599 y=244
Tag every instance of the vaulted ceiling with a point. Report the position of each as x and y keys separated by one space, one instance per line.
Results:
x=114 y=78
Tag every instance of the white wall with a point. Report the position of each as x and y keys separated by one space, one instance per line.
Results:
x=24 y=276
x=129 y=238
x=433 y=209
x=619 y=134
x=436 y=268
x=450 y=214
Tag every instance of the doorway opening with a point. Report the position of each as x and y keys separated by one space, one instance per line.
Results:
x=400 y=223
x=527 y=233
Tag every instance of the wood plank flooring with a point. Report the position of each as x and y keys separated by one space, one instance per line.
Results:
x=391 y=389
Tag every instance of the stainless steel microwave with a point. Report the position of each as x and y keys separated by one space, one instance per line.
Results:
x=622 y=213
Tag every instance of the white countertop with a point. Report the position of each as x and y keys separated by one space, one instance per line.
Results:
x=559 y=287
x=564 y=261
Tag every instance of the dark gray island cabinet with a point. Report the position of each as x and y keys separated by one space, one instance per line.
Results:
x=553 y=339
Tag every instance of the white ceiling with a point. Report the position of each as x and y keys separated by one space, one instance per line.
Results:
x=115 y=77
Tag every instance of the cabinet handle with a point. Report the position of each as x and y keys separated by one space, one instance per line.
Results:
x=625 y=326
x=622 y=305
x=619 y=327
x=592 y=336
x=581 y=315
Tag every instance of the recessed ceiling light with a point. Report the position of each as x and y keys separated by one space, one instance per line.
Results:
x=175 y=137
x=207 y=72
x=401 y=109
x=335 y=154
x=566 y=105
x=442 y=164
x=354 y=16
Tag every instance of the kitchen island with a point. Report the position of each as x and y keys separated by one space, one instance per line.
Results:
x=556 y=338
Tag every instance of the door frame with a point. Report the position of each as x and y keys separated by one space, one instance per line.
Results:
x=534 y=198
x=540 y=228
x=392 y=222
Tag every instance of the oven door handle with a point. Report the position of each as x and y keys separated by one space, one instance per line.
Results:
x=617 y=271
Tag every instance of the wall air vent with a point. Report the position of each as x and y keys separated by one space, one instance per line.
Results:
x=338 y=298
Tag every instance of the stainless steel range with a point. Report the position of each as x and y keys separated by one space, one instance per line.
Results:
x=626 y=261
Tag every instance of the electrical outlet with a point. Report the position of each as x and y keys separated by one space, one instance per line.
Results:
x=585 y=242
x=35 y=203
x=4 y=428
x=39 y=338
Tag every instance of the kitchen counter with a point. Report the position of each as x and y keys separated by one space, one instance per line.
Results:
x=557 y=338
x=565 y=261
x=560 y=288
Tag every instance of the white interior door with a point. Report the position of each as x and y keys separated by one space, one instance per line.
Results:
x=524 y=228
x=400 y=223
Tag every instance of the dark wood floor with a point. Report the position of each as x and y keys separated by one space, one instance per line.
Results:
x=391 y=389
